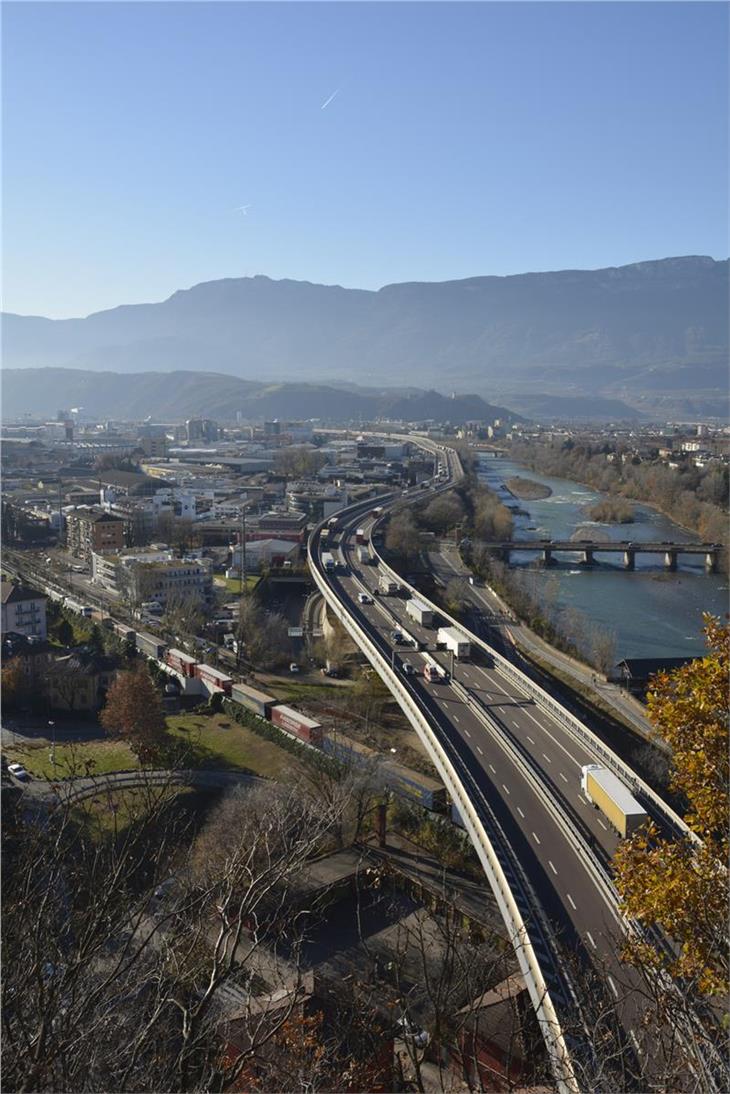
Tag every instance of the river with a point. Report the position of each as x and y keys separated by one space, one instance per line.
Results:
x=653 y=613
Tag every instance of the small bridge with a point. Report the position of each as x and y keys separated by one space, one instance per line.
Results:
x=588 y=548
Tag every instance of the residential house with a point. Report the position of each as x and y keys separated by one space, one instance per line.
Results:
x=90 y=530
x=23 y=611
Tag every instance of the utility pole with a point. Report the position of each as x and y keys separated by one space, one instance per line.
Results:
x=243 y=547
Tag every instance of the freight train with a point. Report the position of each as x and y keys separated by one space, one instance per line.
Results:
x=411 y=785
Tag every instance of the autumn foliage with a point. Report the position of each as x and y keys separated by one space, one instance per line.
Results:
x=682 y=885
x=134 y=713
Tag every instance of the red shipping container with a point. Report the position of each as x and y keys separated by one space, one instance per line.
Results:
x=298 y=724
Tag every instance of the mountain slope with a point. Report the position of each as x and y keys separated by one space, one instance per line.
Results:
x=176 y=395
x=618 y=332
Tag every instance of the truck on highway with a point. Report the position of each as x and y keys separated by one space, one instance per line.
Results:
x=453 y=639
x=419 y=611
x=360 y=535
x=328 y=562
x=363 y=555
x=387 y=586
x=606 y=792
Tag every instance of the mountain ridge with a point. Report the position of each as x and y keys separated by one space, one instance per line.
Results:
x=568 y=333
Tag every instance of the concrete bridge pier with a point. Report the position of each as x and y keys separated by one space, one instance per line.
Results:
x=711 y=562
x=629 y=560
x=547 y=556
x=670 y=560
x=587 y=557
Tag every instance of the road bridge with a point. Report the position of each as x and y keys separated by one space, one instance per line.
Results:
x=510 y=756
x=588 y=548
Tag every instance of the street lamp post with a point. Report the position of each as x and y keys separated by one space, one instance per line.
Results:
x=53 y=747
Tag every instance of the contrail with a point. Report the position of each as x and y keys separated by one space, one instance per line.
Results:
x=242 y=209
x=328 y=101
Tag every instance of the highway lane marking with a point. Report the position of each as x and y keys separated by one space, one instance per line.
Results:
x=520 y=812
x=537 y=838
x=614 y=989
x=529 y=738
x=467 y=733
x=583 y=799
x=455 y=718
x=562 y=776
x=603 y=826
x=547 y=758
x=552 y=868
x=505 y=789
x=480 y=751
x=572 y=902
x=493 y=769
x=552 y=738
x=589 y=936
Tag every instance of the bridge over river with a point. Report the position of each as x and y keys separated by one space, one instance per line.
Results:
x=588 y=548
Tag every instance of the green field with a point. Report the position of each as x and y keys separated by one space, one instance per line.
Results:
x=219 y=741
x=78 y=758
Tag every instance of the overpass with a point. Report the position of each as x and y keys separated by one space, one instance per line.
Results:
x=510 y=756
x=588 y=548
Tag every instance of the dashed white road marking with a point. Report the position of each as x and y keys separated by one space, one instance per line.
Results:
x=603 y=826
x=479 y=751
x=613 y=987
x=455 y=718
x=467 y=733
x=545 y=755
x=529 y=738
x=583 y=799
x=572 y=902
x=562 y=776
x=493 y=769
x=520 y=812
x=537 y=838
x=506 y=789
x=552 y=868
x=589 y=936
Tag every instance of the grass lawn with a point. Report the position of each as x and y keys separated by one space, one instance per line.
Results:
x=222 y=742
x=233 y=584
x=72 y=759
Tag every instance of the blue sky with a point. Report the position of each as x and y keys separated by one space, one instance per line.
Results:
x=464 y=139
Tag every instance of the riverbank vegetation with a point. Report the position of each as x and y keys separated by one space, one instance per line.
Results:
x=611 y=511
x=696 y=498
x=527 y=489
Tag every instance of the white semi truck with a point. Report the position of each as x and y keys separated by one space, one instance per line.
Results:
x=419 y=611
x=607 y=793
x=453 y=639
x=363 y=554
x=387 y=586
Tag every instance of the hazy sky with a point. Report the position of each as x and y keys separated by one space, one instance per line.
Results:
x=463 y=139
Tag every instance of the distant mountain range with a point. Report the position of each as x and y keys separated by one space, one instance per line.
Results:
x=649 y=338
x=177 y=395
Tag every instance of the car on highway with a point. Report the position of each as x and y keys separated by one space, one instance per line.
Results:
x=364 y=598
x=397 y=637
x=407 y=669
x=293 y=667
x=19 y=772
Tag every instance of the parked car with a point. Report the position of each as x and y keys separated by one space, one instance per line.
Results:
x=19 y=772
x=364 y=598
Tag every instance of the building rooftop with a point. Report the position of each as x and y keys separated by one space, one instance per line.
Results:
x=13 y=594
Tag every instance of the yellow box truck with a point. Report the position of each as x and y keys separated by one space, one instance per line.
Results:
x=616 y=802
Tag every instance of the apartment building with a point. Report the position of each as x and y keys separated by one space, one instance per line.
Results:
x=91 y=530
x=23 y=611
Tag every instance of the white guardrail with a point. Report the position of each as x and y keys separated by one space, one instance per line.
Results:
x=513 y=919
x=577 y=729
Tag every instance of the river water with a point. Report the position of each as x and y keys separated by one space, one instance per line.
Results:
x=652 y=613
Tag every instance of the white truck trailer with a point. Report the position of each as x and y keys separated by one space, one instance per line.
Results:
x=363 y=554
x=387 y=586
x=454 y=640
x=328 y=562
x=607 y=793
x=419 y=611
